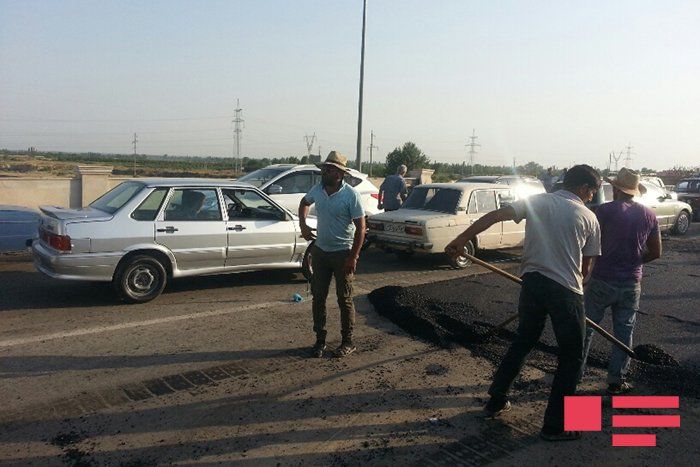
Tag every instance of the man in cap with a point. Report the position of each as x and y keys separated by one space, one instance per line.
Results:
x=562 y=236
x=630 y=237
x=393 y=192
x=340 y=234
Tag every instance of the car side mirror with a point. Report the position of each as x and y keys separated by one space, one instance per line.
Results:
x=274 y=190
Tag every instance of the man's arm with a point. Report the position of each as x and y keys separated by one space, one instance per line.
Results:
x=357 y=241
x=653 y=248
x=456 y=247
x=587 y=267
x=303 y=213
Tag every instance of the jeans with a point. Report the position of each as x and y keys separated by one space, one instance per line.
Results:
x=541 y=297
x=326 y=265
x=623 y=299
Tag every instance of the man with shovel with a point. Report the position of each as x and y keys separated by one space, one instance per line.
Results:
x=630 y=237
x=562 y=237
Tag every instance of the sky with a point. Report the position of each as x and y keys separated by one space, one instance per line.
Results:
x=557 y=83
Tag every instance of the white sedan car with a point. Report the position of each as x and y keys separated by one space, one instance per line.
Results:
x=434 y=214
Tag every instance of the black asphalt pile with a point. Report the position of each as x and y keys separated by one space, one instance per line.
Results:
x=480 y=303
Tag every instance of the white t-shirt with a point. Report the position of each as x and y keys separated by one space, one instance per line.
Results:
x=560 y=230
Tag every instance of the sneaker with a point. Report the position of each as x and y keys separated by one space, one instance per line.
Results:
x=344 y=350
x=559 y=435
x=619 y=388
x=317 y=349
x=495 y=409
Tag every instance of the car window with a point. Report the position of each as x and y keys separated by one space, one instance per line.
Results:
x=114 y=199
x=485 y=201
x=352 y=181
x=688 y=186
x=433 y=199
x=607 y=192
x=193 y=204
x=505 y=198
x=261 y=176
x=148 y=209
x=653 y=193
x=248 y=204
x=471 y=209
x=298 y=182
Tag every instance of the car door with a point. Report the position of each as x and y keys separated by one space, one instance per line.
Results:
x=513 y=234
x=482 y=201
x=259 y=232
x=194 y=232
x=655 y=199
x=293 y=188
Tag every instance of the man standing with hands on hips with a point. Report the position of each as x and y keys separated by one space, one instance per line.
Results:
x=340 y=234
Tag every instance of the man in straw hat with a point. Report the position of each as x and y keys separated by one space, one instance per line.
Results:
x=562 y=236
x=340 y=234
x=630 y=237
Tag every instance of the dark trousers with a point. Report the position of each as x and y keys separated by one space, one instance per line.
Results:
x=327 y=265
x=540 y=297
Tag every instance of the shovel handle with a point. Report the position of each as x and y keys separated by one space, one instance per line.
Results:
x=516 y=279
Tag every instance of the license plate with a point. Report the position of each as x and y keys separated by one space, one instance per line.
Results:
x=394 y=228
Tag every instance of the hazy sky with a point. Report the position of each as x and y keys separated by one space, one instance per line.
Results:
x=556 y=82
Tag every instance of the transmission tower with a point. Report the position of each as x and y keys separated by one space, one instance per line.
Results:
x=134 y=141
x=614 y=157
x=309 y=140
x=472 y=151
x=371 y=148
x=237 y=129
x=628 y=156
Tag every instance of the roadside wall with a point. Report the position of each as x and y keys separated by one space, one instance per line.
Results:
x=89 y=183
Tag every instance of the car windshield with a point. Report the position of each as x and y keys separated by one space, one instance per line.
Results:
x=433 y=199
x=688 y=186
x=114 y=199
x=261 y=176
x=478 y=180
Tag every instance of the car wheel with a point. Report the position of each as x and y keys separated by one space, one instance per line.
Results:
x=140 y=279
x=682 y=224
x=307 y=268
x=462 y=261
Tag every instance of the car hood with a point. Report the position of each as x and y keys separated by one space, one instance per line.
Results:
x=87 y=213
x=415 y=215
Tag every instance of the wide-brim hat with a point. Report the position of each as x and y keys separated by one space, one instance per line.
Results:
x=627 y=181
x=337 y=160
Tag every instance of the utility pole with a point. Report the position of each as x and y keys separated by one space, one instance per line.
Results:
x=358 y=157
x=472 y=152
x=309 y=140
x=616 y=158
x=135 y=140
x=237 y=134
x=371 y=147
x=628 y=157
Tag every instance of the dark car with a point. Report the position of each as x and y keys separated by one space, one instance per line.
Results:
x=689 y=191
x=18 y=225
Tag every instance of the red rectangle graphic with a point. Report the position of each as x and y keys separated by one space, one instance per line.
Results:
x=633 y=440
x=640 y=421
x=582 y=413
x=645 y=402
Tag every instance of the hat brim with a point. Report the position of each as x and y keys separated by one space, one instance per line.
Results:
x=639 y=191
x=337 y=166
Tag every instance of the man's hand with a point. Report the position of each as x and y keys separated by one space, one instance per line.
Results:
x=306 y=232
x=455 y=248
x=380 y=206
x=350 y=265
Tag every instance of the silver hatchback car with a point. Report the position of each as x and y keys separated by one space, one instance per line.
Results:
x=144 y=232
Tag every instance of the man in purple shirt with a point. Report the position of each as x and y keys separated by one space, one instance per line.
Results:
x=629 y=238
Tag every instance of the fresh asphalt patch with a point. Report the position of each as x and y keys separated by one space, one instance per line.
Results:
x=484 y=302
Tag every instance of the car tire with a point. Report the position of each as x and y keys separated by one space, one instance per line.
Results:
x=462 y=262
x=307 y=268
x=140 y=279
x=682 y=223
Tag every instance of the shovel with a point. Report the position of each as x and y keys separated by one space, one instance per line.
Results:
x=516 y=279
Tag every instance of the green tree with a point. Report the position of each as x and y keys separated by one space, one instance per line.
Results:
x=410 y=155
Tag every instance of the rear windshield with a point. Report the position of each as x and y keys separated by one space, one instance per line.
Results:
x=433 y=199
x=261 y=176
x=114 y=199
x=688 y=186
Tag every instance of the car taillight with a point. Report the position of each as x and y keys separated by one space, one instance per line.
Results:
x=413 y=230
x=58 y=242
x=375 y=226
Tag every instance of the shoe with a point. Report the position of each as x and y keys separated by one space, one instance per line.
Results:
x=495 y=409
x=619 y=388
x=560 y=435
x=344 y=350
x=317 y=349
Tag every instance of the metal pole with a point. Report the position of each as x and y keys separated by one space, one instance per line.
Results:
x=358 y=157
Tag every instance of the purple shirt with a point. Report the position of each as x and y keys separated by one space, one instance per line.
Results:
x=625 y=227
